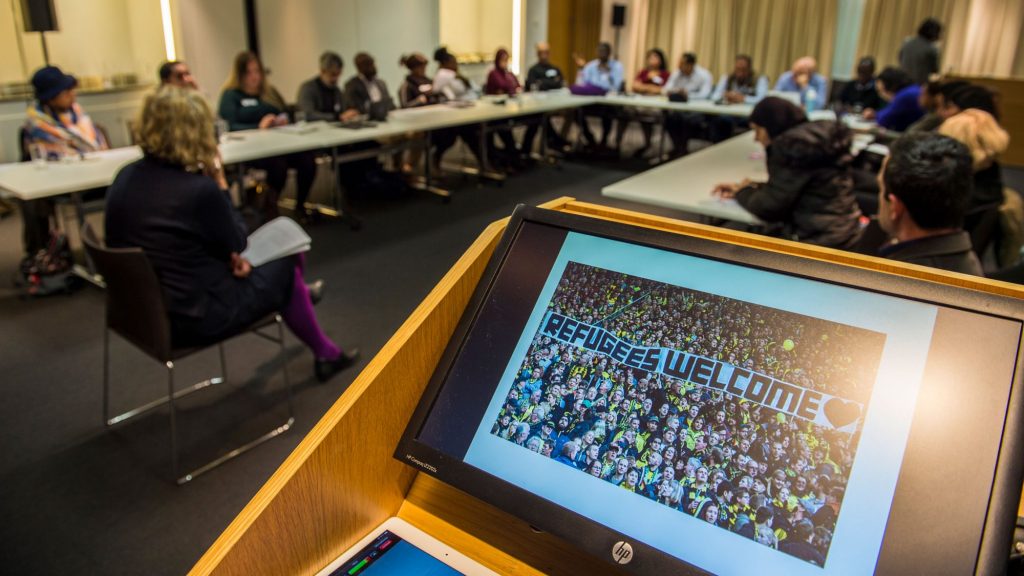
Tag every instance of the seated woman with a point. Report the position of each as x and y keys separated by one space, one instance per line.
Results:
x=649 y=81
x=987 y=141
x=449 y=85
x=56 y=127
x=248 y=101
x=173 y=203
x=501 y=81
x=809 y=192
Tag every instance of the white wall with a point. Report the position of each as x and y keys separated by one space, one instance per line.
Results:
x=211 y=33
x=844 y=60
x=535 y=29
x=96 y=39
x=293 y=34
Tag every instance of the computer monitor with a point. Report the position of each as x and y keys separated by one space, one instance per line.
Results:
x=679 y=405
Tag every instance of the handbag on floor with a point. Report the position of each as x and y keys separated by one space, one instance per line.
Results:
x=49 y=270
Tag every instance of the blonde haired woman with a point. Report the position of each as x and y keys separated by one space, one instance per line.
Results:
x=249 y=102
x=986 y=140
x=174 y=205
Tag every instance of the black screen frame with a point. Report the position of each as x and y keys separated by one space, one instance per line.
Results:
x=597 y=539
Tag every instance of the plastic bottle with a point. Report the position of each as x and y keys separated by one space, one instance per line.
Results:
x=811 y=100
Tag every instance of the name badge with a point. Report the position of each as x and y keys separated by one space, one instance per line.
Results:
x=424 y=88
x=250 y=102
x=551 y=73
x=657 y=80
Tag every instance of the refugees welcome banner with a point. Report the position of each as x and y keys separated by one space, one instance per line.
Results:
x=817 y=407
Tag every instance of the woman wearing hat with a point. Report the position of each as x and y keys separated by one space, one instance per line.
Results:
x=809 y=192
x=56 y=127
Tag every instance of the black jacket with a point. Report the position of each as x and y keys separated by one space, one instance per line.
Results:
x=187 y=227
x=810 y=188
x=946 y=251
x=357 y=95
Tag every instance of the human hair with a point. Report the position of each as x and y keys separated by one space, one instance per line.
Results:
x=412 y=61
x=662 y=64
x=689 y=58
x=166 y=69
x=948 y=87
x=175 y=126
x=763 y=514
x=237 y=72
x=331 y=60
x=499 y=54
x=803 y=530
x=442 y=55
x=974 y=96
x=930 y=29
x=746 y=58
x=980 y=132
x=894 y=79
x=931 y=174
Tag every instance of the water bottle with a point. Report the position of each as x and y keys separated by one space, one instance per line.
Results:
x=811 y=100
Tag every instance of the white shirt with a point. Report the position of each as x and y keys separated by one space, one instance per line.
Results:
x=372 y=89
x=698 y=84
x=448 y=83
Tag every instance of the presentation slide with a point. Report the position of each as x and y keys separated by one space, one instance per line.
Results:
x=709 y=410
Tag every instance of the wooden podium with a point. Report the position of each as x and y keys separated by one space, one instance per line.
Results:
x=341 y=481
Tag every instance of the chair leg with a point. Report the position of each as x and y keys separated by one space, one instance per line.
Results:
x=174 y=424
x=223 y=365
x=106 y=376
x=284 y=369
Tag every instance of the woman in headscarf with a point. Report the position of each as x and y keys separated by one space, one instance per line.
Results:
x=809 y=192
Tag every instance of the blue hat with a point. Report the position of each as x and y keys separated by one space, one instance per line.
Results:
x=51 y=81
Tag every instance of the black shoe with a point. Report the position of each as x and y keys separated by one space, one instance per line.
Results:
x=316 y=291
x=325 y=369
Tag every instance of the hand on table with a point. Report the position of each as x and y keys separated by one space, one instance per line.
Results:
x=734 y=97
x=267 y=121
x=352 y=113
x=240 y=267
x=868 y=114
x=728 y=190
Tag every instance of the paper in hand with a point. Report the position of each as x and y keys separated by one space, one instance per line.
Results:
x=278 y=238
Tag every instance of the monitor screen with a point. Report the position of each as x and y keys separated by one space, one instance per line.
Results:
x=673 y=403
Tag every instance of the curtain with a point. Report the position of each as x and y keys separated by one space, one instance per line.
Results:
x=773 y=32
x=993 y=28
x=887 y=24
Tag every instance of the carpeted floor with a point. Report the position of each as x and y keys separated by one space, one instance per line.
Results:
x=75 y=498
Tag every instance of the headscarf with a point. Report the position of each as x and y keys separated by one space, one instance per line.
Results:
x=777 y=115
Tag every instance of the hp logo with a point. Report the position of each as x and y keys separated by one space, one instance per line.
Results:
x=622 y=553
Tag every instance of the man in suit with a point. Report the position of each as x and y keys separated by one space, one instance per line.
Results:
x=365 y=92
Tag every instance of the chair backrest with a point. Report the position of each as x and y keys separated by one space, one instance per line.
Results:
x=135 y=301
x=982 y=224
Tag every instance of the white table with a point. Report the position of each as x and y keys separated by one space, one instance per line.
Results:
x=686 y=184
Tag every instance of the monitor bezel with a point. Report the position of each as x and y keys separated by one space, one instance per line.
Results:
x=597 y=539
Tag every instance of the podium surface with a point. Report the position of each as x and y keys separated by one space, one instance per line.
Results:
x=341 y=481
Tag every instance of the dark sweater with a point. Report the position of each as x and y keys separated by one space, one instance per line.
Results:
x=243 y=112
x=187 y=227
x=810 y=187
x=544 y=77
x=946 y=251
x=320 y=101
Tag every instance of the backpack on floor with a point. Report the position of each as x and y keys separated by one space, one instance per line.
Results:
x=48 y=271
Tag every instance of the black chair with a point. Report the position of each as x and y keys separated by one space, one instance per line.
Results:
x=136 y=311
x=982 y=223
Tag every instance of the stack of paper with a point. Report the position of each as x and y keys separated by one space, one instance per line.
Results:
x=278 y=238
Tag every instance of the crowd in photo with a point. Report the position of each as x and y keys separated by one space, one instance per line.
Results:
x=726 y=461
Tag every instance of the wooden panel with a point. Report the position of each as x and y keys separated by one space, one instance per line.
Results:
x=1011 y=108
x=574 y=26
x=437 y=507
x=341 y=480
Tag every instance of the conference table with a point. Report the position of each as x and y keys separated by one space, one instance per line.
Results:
x=686 y=184
x=30 y=181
